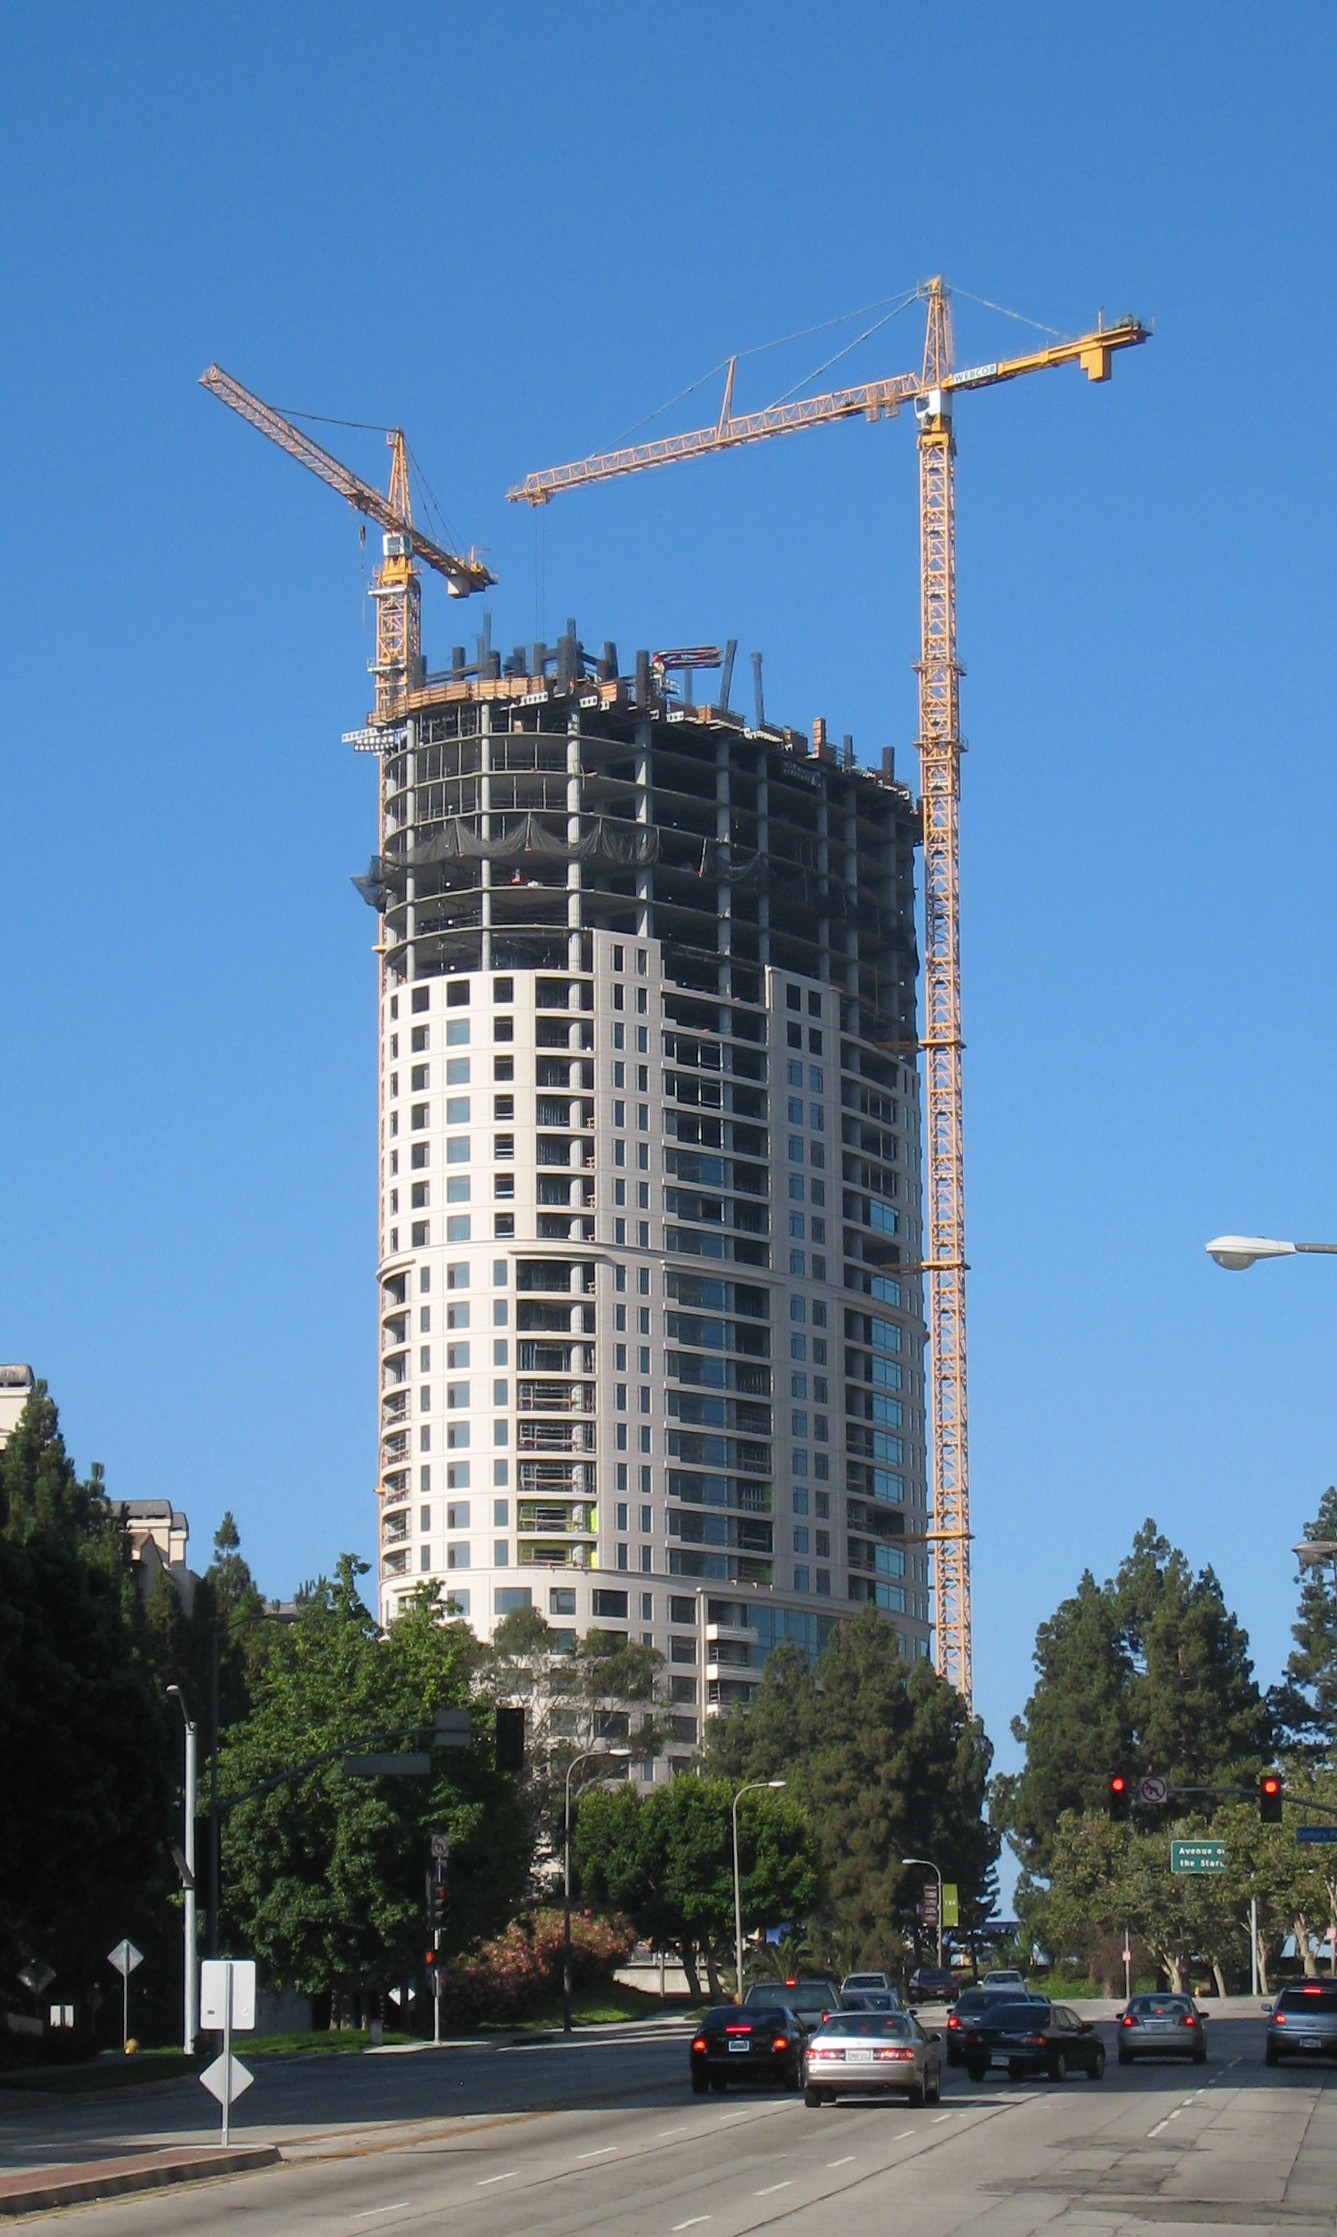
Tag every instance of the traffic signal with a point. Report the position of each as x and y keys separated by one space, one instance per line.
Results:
x=437 y=1901
x=1269 y=1798
x=510 y=1739
x=1119 y=1795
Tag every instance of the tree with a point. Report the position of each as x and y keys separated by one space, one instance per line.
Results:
x=666 y=1859
x=323 y=1875
x=888 y=1763
x=1149 y=1672
x=1076 y=1727
x=1305 y=1704
x=87 y=1746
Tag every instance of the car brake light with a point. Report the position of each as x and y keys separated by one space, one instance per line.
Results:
x=1311 y=1991
x=1279 y=2019
x=791 y=1982
x=893 y=2054
x=700 y=2043
x=1189 y=2020
x=822 y=2050
x=1036 y=2042
x=1128 y=2020
x=780 y=2043
x=736 y=2027
x=952 y=2021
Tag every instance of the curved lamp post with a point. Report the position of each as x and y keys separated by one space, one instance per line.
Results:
x=191 y=1976
x=754 y=1786
x=589 y=1755
x=1235 y=1252
x=929 y=1866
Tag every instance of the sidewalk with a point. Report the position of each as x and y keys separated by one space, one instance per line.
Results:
x=38 y=2190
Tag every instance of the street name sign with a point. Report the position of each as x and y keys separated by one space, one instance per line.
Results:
x=1316 y=1834
x=1197 y=1856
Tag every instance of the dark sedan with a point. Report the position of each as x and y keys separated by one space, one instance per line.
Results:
x=1303 y=2022
x=1029 y=2035
x=968 y=2006
x=755 y=2045
x=931 y=1984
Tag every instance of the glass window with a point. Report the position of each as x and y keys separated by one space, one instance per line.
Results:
x=457 y=1033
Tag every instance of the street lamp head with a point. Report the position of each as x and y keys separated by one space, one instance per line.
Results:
x=777 y=1782
x=1312 y=1550
x=1235 y=1252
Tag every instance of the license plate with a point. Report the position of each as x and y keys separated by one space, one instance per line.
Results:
x=1311 y=2043
x=744 y=2047
x=859 y=2056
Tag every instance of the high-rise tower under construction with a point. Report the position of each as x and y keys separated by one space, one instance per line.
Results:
x=650 y=1313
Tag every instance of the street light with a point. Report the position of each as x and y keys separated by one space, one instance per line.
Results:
x=929 y=1866
x=191 y=1983
x=1235 y=1252
x=754 y=1786
x=590 y=1755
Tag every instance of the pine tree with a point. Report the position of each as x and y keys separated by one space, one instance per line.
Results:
x=1305 y=1705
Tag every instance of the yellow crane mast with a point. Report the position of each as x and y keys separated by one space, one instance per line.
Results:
x=932 y=390
x=395 y=585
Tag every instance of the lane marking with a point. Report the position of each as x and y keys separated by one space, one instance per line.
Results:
x=602 y=2153
x=680 y=2130
x=367 y=2211
x=901 y=2138
x=733 y=2116
x=847 y=2161
x=498 y=2178
x=940 y=2116
x=772 y=2187
x=692 y=2224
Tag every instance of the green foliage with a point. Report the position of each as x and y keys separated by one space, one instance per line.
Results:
x=887 y=1763
x=323 y=1875
x=1305 y=1705
x=1149 y=1672
x=666 y=1859
x=86 y=1737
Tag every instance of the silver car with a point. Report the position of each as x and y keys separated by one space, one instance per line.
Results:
x=1303 y=2022
x=1168 y=2026
x=854 y=2054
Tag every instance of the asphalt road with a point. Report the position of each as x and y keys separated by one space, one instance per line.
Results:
x=1155 y=2147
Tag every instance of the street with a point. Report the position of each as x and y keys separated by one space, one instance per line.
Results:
x=498 y=2140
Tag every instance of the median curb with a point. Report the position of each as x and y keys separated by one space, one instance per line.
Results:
x=43 y=2189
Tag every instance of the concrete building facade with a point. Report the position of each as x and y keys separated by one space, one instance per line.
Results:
x=651 y=1335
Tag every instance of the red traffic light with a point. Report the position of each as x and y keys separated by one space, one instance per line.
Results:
x=1118 y=1796
x=1269 y=1798
x=1118 y=1784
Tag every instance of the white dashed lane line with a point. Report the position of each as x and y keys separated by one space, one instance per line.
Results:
x=602 y=2153
x=694 y=2223
x=771 y=2188
x=509 y=2176
x=847 y=2161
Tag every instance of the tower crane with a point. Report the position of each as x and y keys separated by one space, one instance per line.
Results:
x=396 y=588
x=932 y=391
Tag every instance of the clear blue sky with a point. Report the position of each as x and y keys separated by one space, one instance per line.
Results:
x=517 y=230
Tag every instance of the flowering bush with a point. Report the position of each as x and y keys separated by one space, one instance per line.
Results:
x=505 y=1979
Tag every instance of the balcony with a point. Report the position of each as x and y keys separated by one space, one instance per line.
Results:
x=555 y=1398
x=555 y=1436
x=395 y=1409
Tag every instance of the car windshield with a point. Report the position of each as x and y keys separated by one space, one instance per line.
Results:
x=1013 y=2011
x=1315 y=1996
x=792 y=1993
x=881 y=2024
x=1159 y=2007
x=864 y=1980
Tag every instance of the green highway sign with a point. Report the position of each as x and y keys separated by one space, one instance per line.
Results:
x=1197 y=1856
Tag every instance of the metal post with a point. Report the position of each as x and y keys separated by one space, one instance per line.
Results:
x=215 y=1886
x=1127 y=1964
x=192 y=1951
x=929 y=1866
x=1253 y=1945
x=227 y=2052
x=566 y=1901
x=125 y=2008
x=754 y=1786
x=190 y=1992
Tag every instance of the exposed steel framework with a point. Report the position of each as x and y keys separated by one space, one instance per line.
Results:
x=396 y=588
x=931 y=390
